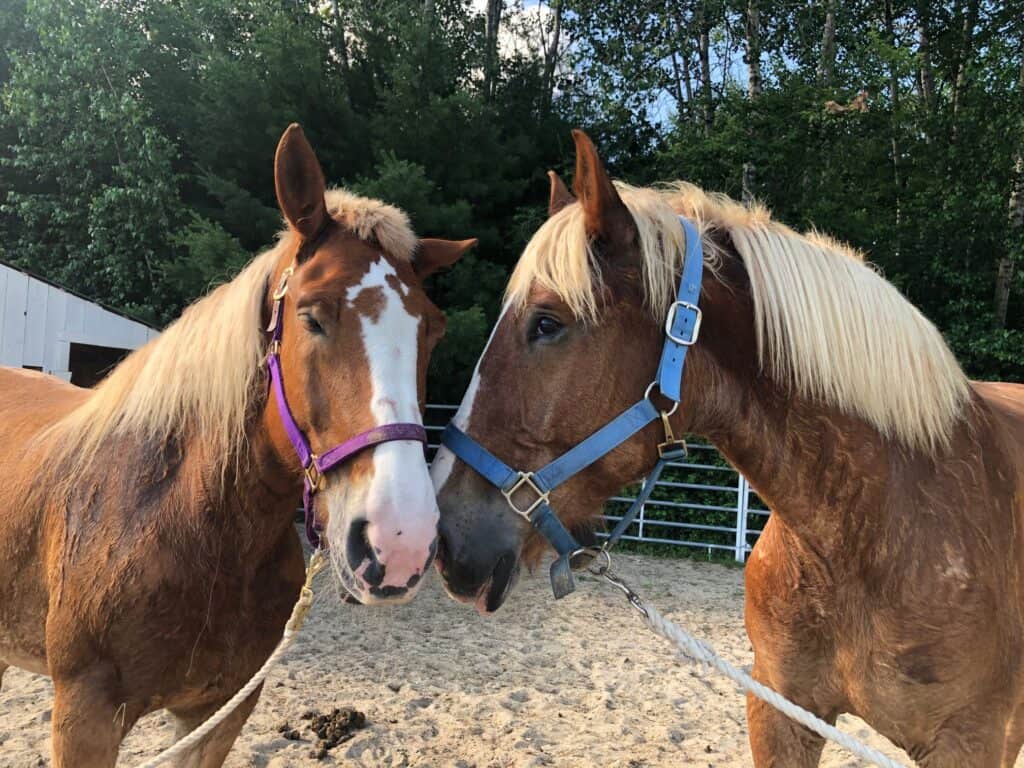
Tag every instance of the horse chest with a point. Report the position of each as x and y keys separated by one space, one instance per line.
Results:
x=185 y=634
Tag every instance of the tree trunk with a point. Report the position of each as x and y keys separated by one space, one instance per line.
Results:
x=1008 y=261
x=681 y=52
x=551 y=56
x=687 y=80
x=827 y=62
x=753 y=50
x=964 y=57
x=703 y=46
x=749 y=180
x=677 y=85
x=491 y=68
x=926 y=78
x=1015 y=230
x=340 y=42
x=894 y=99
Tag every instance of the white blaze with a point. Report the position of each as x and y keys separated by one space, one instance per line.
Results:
x=444 y=459
x=399 y=502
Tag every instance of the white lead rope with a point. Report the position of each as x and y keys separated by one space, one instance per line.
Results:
x=701 y=652
x=291 y=631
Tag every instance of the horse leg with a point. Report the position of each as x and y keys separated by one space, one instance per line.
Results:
x=778 y=742
x=789 y=656
x=3 y=668
x=212 y=750
x=1014 y=739
x=88 y=724
x=974 y=736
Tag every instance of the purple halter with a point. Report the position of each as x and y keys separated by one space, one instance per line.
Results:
x=314 y=466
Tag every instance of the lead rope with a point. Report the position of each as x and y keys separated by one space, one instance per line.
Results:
x=702 y=652
x=291 y=630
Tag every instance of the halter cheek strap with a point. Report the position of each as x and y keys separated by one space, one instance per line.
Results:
x=314 y=466
x=682 y=327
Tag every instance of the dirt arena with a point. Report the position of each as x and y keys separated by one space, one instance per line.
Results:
x=577 y=683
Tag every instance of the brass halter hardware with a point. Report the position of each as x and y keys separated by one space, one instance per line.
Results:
x=526 y=481
x=671 y=442
x=313 y=473
x=275 y=310
x=282 y=287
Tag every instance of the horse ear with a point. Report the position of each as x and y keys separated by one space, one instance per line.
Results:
x=433 y=254
x=299 y=183
x=560 y=194
x=604 y=213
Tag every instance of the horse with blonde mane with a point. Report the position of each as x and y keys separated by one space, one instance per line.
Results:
x=148 y=537
x=888 y=581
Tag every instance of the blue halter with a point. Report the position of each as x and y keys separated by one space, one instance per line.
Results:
x=682 y=328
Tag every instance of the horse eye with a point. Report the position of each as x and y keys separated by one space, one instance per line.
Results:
x=544 y=327
x=311 y=323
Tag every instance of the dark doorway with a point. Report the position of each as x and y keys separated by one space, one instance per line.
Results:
x=89 y=364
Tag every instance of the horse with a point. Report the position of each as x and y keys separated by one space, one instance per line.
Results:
x=888 y=581
x=148 y=535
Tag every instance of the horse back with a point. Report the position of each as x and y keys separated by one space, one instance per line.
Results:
x=33 y=400
x=1005 y=401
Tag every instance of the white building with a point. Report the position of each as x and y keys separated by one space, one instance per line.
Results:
x=48 y=329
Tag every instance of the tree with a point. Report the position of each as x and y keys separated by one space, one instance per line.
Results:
x=95 y=205
x=136 y=137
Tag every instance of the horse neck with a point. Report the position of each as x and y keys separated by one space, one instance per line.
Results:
x=252 y=502
x=824 y=473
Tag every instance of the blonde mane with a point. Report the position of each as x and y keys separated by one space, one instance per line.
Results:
x=827 y=325
x=203 y=373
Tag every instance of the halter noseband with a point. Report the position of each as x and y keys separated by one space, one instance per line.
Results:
x=682 y=327
x=314 y=466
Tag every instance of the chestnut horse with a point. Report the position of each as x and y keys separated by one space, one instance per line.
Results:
x=888 y=581
x=149 y=553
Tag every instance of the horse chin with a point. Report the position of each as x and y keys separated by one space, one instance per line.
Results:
x=493 y=593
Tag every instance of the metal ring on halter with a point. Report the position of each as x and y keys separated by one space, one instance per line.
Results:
x=583 y=558
x=647 y=397
x=595 y=553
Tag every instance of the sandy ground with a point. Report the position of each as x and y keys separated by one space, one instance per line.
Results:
x=575 y=683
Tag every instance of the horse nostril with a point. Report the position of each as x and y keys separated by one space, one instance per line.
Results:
x=442 y=550
x=361 y=557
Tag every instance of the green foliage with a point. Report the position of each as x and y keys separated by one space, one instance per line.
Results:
x=406 y=185
x=91 y=194
x=453 y=362
x=136 y=137
x=212 y=256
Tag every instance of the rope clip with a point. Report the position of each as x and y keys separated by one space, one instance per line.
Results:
x=603 y=568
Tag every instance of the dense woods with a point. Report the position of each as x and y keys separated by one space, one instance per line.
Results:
x=136 y=136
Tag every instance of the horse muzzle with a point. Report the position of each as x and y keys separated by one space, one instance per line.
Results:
x=478 y=565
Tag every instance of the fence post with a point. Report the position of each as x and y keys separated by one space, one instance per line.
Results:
x=640 y=517
x=742 y=502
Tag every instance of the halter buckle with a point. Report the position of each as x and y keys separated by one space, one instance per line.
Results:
x=670 y=321
x=525 y=478
x=282 y=287
x=671 y=445
x=314 y=476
